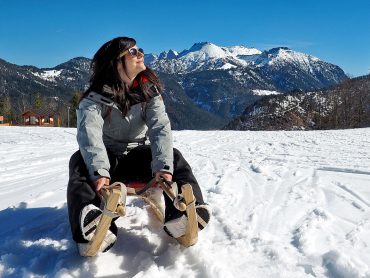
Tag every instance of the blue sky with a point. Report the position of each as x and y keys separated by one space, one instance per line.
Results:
x=45 y=33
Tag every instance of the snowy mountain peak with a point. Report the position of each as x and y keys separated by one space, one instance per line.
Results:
x=280 y=52
x=204 y=50
x=286 y=53
x=277 y=49
x=78 y=63
x=209 y=56
x=199 y=45
x=170 y=54
x=210 y=51
x=280 y=55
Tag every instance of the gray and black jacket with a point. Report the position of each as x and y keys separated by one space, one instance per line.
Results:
x=101 y=126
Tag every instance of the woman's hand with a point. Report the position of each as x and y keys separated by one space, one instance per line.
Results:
x=100 y=182
x=165 y=175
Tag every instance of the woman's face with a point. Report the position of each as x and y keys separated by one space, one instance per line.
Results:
x=134 y=62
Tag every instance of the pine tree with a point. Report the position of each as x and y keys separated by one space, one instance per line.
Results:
x=38 y=103
x=6 y=108
x=75 y=100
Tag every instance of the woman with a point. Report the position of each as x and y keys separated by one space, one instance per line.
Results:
x=118 y=112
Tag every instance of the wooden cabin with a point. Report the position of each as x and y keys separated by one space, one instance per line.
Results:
x=39 y=117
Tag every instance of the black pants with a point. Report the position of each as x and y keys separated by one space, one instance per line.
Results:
x=135 y=166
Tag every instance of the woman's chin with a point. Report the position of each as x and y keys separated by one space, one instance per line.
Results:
x=142 y=68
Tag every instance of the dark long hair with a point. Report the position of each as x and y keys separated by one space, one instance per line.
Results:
x=105 y=73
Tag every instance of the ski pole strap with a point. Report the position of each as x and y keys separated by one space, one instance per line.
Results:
x=146 y=187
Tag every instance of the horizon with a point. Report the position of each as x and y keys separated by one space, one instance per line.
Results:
x=56 y=32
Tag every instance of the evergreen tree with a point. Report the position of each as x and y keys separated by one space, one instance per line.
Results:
x=38 y=102
x=6 y=108
x=75 y=100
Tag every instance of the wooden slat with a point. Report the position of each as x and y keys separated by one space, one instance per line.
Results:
x=104 y=224
x=191 y=235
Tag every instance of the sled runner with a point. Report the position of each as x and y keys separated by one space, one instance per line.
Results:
x=183 y=202
x=191 y=235
x=115 y=207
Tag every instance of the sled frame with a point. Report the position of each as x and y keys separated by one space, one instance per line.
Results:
x=187 y=204
x=191 y=234
x=113 y=208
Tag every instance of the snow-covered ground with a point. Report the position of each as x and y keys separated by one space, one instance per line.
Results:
x=286 y=204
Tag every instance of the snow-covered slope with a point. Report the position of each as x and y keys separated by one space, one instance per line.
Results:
x=286 y=204
x=48 y=75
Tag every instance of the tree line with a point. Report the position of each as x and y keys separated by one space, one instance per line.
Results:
x=346 y=105
x=64 y=111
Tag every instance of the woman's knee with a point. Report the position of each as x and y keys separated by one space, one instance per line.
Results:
x=75 y=159
x=77 y=167
x=180 y=163
x=177 y=155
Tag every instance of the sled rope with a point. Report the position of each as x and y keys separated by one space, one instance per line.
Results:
x=110 y=214
x=146 y=187
x=167 y=188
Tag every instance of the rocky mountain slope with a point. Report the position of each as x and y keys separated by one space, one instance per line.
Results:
x=346 y=105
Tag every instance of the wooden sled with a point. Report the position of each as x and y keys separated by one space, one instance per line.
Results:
x=114 y=207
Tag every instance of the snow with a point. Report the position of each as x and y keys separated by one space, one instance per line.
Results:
x=285 y=204
x=227 y=66
x=240 y=50
x=48 y=75
x=258 y=92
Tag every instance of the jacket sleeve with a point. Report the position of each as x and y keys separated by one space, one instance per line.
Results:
x=90 y=139
x=160 y=135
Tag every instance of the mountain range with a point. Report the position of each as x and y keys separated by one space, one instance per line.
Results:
x=206 y=86
x=223 y=80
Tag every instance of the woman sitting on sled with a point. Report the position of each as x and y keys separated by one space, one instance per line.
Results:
x=118 y=114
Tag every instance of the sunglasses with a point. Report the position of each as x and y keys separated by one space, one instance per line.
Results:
x=133 y=52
